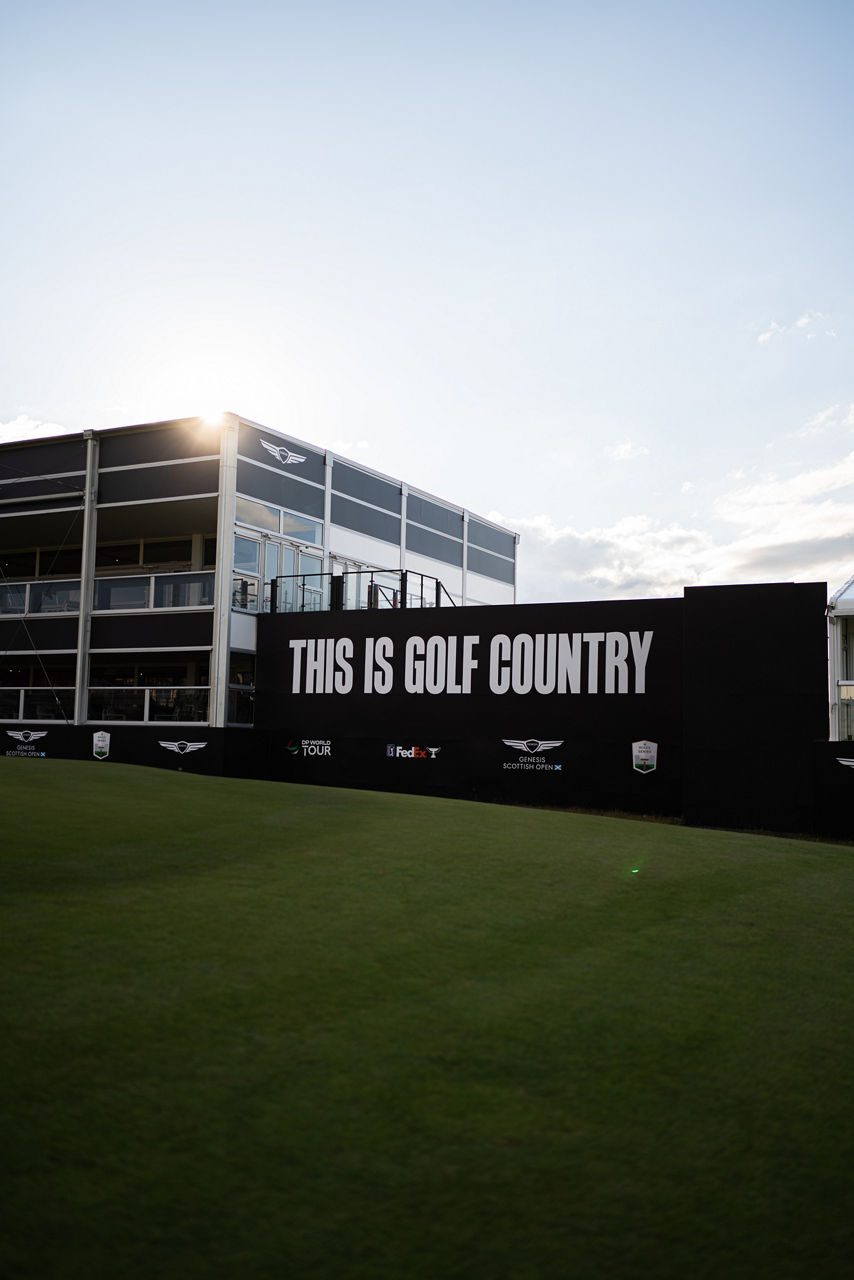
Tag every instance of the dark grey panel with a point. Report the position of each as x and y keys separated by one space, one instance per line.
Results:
x=352 y=515
x=188 y=438
x=281 y=490
x=433 y=544
x=250 y=445
x=31 y=491
x=492 y=539
x=491 y=566
x=159 y=482
x=436 y=517
x=38 y=633
x=177 y=631
x=42 y=459
x=358 y=484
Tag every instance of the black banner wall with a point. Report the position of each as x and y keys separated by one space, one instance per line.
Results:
x=713 y=708
x=672 y=707
x=542 y=704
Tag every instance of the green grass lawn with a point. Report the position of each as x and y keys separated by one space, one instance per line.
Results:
x=259 y=1030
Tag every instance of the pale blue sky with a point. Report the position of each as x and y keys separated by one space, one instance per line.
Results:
x=585 y=268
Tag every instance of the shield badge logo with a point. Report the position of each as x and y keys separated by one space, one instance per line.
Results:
x=100 y=745
x=644 y=756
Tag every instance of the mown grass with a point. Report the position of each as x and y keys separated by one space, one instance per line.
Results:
x=273 y=1031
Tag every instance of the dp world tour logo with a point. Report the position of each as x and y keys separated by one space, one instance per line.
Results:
x=532 y=757
x=281 y=454
x=310 y=747
x=182 y=748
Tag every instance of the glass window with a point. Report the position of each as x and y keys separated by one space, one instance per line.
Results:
x=13 y=598
x=210 y=552
x=183 y=590
x=302 y=529
x=244 y=594
x=178 y=704
x=18 y=564
x=247 y=555
x=117 y=554
x=121 y=593
x=241 y=669
x=49 y=704
x=117 y=704
x=176 y=551
x=241 y=706
x=257 y=513
x=55 y=597
x=119 y=670
x=59 y=560
x=10 y=704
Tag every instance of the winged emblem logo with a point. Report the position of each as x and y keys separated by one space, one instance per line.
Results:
x=26 y=735
x=848 y=763
x=533 y=745
x=282 y=454
x=182 y=747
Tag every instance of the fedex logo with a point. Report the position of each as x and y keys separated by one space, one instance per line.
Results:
x=411 y=753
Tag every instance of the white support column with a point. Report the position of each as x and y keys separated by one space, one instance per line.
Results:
x=404 y=494
x=224 y=563
x=327 y=510
x=464 y=587
x=87 y=578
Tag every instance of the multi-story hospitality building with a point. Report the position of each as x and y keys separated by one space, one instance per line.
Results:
x=134 y=563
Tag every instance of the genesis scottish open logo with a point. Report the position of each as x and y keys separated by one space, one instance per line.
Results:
x=182 y=748
x=25 y=738
x=532 y=753
x=282 y=454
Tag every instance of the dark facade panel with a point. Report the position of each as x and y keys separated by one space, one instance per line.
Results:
x=37 y=634
x=268 y=447
x=377 y=524
x=482 y=535
x=427 y=543
x=177 y=631
x=31 y=491
x=56 y=457
x=159 y=482
x=491 y=566
x=189 y=438
x=281 y=490
x=358 y=484
x=434 y=516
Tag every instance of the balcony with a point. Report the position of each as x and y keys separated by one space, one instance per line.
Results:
x=152 y=703
x=356 y=589
x=143 y=592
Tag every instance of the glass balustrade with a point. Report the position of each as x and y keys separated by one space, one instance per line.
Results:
x=121 y=594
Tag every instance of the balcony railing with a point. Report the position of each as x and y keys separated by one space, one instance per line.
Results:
x=183 y=703
x=36 y=704
x=357 y=589
x=148 y=591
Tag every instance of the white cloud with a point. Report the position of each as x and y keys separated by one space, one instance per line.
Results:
x=807 y=321
x=626 y=451
x=26 y=428
x=687 y=486
x=796 y=527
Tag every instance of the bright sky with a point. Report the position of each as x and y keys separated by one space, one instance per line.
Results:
x=584 y=267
